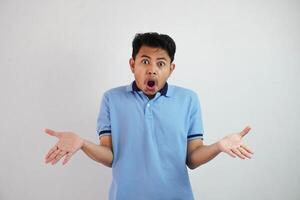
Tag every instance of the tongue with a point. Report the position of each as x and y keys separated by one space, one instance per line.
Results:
x=151 y=83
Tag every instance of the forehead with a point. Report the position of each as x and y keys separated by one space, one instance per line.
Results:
x=153 y=52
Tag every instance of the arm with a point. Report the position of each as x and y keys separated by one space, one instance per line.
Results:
x=198 y=154
x=100 y=153
x=69 y=143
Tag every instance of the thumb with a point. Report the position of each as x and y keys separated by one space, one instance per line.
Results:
x=51 y=132
x=245 y=131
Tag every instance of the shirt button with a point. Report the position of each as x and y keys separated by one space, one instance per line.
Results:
x=148 y=105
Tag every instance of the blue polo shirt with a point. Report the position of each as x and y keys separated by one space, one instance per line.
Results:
x=149 y=139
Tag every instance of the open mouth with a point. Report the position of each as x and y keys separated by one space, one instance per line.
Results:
x=151 y=83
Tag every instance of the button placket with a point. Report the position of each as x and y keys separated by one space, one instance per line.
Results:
x=148 y=110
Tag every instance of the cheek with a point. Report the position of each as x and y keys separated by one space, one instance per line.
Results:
x=138 y=69
x=165 y=74
x=139 y=75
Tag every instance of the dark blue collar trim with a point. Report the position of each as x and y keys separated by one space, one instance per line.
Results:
x=163 y=91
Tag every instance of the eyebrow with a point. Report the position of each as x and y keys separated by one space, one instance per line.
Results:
x=145 y=56
x=162 y=58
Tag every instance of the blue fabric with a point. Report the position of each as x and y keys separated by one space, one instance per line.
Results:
x=149 y=140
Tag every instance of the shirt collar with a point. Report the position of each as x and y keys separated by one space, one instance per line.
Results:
x=133 y=87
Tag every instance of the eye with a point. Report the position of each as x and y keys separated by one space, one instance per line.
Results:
x=145 y=61
x=161 y=64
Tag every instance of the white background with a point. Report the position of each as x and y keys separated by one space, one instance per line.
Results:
x=58 y=57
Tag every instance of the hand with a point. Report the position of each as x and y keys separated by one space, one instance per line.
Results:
x=232 y=145
x=69 y=143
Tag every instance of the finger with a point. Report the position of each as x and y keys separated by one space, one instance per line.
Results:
x=52 y=156
x=58 y=157
x=51 y=151
x=247 y=149
x=67 y=158
x=245 y=131
x=51 y=132
x=244 y=152
x=229 y=152
x=238 y=153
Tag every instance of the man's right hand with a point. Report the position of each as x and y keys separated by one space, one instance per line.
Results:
x=68 y=144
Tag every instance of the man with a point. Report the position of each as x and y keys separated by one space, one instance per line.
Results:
x=149 y=131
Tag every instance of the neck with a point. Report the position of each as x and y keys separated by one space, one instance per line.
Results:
x=150 y=96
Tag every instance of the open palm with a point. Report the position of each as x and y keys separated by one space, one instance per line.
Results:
x=232 y=145
x=68 y=144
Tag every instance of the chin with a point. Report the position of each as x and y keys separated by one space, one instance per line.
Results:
x=150 y=93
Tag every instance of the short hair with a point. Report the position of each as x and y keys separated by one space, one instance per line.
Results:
x=156 y=40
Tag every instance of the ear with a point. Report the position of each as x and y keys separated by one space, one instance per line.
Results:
x=131 y=64
x=172 y=67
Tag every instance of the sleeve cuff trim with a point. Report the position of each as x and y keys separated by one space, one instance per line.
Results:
x=194 y=135
x=104 y=131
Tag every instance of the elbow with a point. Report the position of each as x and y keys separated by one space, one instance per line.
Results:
x=108 y=156
x=192 y=162
x=110 y=164
x=191 y=166
x=107 y=164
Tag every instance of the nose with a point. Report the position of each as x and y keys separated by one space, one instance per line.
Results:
x=151 y=70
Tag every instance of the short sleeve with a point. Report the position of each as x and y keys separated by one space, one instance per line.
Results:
x=195 y=130
x=103 y=119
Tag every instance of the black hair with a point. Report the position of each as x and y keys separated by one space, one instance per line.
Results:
x=153 y=39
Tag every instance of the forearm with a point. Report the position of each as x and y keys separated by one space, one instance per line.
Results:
x=202 y=154
x=101 y=154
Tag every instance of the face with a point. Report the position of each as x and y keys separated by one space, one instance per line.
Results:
x=151 y=68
